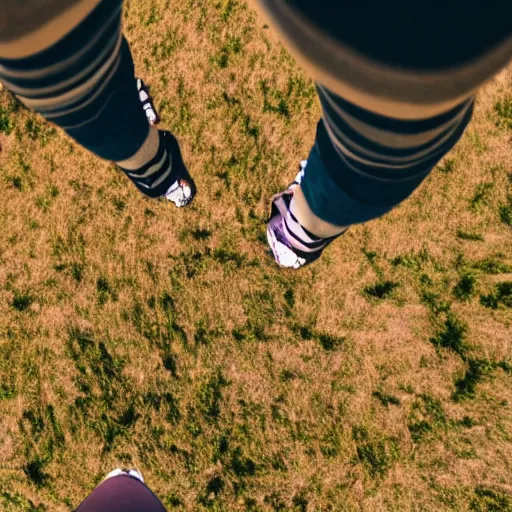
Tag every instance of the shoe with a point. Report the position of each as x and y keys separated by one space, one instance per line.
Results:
x=292 y=245
x=183 y=191
x=147 y=103
x=128 y=472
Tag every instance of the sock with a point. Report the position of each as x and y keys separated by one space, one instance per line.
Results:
x=146 y=153
x=153 y=177
x=302 y=239
x=301 y=210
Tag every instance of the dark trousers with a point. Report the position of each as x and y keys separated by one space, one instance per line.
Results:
x=121 y=494
x=85 y=84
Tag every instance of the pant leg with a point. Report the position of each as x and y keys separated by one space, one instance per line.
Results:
x=397 y=92
x=121 y=494
x=85 y=84
x=364 y=164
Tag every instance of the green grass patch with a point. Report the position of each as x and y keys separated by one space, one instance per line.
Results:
x=76 y=270
x=426 y=418
x=289 y=297
x=376 y=451
x=225 y=256
x=168 y=46
x=6 y=125
x=410 y=261
x=470 y=235
x=275 y=101
x=330 y=343
x=152 y=17
x=35 y=471
x=385 y=399
x=46 y=200
x=15 y=181
x=198 y=234
x=212 y=491
x=326 y=341
x=448 y=166
x=481 y=196
x=503 y=110
x=452 y=336
x=22 y=301
x=490 y=500
x=210 y=396
x=479 y=145
x=505 y=212
x=40 y=131
x=7 y=391
x=227 y=8
x=233 y=46
x=465 y=288
x=476 y=371
x=16 y=502
x=105 y=290
x=502 y=296
x=491 y=266
x=381 y=290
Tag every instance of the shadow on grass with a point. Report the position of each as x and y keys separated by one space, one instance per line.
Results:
x=382 y=290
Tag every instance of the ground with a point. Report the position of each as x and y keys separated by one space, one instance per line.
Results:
x=135 y=334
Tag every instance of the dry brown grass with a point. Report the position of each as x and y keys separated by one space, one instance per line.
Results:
x=135 y=334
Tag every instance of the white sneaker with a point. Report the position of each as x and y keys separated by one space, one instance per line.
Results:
x=291 y=244
x=180 y=193
x=183 y=191
x=127 y=472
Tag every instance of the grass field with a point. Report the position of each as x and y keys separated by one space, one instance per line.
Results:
x=135 y=334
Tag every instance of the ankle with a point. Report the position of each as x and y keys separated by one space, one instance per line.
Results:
x=300 y=208
x=145 y=153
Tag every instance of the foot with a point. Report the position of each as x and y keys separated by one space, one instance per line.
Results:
x=292 y=245
x=180 y=193
x=183 y=191
x=128 y=472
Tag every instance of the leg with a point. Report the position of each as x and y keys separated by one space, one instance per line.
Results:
x=362 y=166
x=85 y=84
x=397 y=93
x=121 y=493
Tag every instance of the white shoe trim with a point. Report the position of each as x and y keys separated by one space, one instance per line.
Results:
x=179 y=193
x=119 y=472
x=283 y=255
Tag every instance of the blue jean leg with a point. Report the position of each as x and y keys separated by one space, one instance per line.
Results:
x=339 y=193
